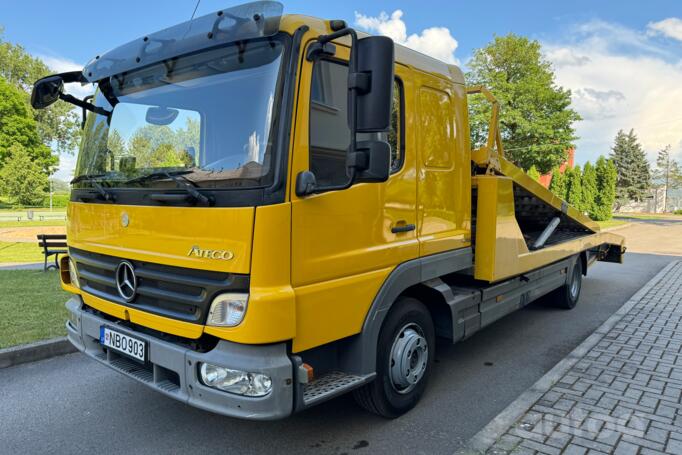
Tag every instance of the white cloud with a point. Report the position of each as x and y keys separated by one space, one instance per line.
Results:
x=620 y=78
x=437 y=42
x=670 y=27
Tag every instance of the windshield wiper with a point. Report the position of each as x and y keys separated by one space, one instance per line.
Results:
x=84 y=177
x=180 y=180
x=108 y=196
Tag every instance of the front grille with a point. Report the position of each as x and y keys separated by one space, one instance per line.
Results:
x=174 y=292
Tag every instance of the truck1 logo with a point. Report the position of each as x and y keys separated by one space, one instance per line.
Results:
x=224 y=255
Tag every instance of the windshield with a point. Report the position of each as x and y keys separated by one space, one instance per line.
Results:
x=208 y=116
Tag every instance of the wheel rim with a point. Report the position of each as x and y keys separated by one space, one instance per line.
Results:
x=409 y=358
x=575 y=283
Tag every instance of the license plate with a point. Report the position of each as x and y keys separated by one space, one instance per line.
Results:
x=119 y=342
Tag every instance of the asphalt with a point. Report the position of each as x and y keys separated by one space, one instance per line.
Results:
x=71 y=404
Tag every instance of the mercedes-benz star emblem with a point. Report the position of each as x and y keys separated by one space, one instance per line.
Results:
x=126 y=281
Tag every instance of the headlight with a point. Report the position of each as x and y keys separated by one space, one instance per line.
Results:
x=227 y=310
x=235 y=381
x=73 y=274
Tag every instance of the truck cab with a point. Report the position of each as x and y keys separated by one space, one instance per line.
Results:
x=269 y=211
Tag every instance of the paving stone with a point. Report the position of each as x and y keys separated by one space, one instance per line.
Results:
x=574 y=450
x=625 y=448
x=624 y=396
x=674 y=446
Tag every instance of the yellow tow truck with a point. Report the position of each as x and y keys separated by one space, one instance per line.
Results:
x=271 y=210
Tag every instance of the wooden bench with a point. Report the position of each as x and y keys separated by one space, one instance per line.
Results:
x=52 y=245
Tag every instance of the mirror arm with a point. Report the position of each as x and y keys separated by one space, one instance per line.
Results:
x=353 y=86
x=84 y=104
x=85 y=111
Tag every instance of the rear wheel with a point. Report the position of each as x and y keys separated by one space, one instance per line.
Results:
x=405 y=354
x=567 y=296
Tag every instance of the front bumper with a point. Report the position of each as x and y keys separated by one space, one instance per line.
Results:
x=173 y=371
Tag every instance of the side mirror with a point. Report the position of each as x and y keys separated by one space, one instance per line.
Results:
x=373 y=79
x=306 y=183
x=371 y=160
x=46 y=91
x=370 y=99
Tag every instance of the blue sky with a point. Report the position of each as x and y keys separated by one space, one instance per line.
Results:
x=621 y=59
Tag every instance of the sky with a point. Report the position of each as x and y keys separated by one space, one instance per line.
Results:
x=622 y=60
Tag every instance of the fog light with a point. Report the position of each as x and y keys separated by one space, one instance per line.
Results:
x=73 y=274
x=227 y=310
x=235 y=381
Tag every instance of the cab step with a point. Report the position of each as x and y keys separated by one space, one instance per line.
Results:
x=330 y=385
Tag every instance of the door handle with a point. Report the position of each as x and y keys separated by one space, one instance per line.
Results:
x=400 y=227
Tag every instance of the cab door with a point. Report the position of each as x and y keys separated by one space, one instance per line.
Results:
x=345 y=243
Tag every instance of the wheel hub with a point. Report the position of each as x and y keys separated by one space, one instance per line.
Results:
x=409 y=357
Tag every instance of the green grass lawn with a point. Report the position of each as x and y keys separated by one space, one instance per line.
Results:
x=21 y=252
x=610 y=223
x=32 y=306
x=11 y=224
x=8 y=217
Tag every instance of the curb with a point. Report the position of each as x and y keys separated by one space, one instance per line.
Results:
x=488 y=435
x=40 y=350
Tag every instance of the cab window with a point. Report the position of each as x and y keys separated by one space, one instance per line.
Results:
x=329 y=132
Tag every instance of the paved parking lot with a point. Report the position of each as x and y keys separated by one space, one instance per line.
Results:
x=619 y=392
x=71 y=404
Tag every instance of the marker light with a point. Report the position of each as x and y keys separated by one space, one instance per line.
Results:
x=227 y=310
x=73 y=274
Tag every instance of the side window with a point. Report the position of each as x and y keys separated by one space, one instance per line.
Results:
x=437 y=130
x=329 y=132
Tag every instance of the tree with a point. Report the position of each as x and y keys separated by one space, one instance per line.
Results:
x=558 y=183
x=632 y=167
x=589 y=184
x=22 y=178
x=59 y=123
x=17 y=126
x=533 y=173
x=536 y=120
x=574 y=188
x=667 y=174
x=607 y=176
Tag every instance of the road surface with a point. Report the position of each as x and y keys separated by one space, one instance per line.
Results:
x=72 y=404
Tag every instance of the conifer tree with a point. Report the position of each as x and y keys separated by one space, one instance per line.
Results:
x=589 y=184
x=558 y=183
x=667 y=174
x=574 y=188
x=533 y=173
x=606 y=189
x=632 y=167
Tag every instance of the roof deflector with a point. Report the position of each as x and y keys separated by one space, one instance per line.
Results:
x=247 y=21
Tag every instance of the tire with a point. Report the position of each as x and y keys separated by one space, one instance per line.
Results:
x=395 y=390
x=567 y=296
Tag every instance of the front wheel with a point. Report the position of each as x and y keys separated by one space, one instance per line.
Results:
x=405 y=354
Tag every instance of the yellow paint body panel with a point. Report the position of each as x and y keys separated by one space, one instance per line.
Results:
x=498 y=237
x=163 y=324
x=164 y=235
x=271 y=310
x=317 y=263
x=444 y=189
x=342 y=244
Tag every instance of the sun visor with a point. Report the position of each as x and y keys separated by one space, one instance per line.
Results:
x=247 y=21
